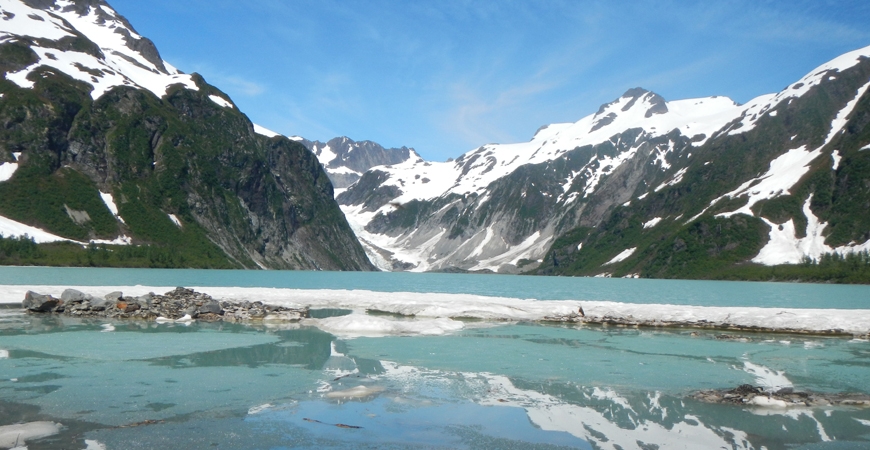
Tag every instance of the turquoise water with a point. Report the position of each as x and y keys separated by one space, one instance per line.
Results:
x=679 y=292
x=137 y=385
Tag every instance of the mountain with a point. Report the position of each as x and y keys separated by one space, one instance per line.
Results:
x=345 y=160
x=643 y=187
x=103 y=142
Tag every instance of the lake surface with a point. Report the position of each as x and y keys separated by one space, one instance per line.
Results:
x=132 y=385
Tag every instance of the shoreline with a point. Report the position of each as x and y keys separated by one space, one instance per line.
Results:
x=411 y=313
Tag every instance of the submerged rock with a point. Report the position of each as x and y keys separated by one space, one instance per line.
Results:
x=179 y=305
x=747 y=394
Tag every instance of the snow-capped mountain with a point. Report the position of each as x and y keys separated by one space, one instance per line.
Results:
x=104 y=142
x=88 y=41
x=345 y=160
x=667 y=164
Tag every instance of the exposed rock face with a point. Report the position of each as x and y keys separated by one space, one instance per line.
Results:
x=180 y=304
x=164 y=159
x=345 y=160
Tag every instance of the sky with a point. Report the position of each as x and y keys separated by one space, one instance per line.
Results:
x=448 y=76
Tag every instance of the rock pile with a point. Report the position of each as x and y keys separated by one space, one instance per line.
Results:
x=178 y=304
x=748 y=394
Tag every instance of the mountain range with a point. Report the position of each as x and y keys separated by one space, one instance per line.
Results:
x=644 y=187
x=111 y=156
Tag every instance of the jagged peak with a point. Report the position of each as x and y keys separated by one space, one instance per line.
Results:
x=650 y=102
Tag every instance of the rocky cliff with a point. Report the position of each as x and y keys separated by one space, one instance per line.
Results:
x=102 y=142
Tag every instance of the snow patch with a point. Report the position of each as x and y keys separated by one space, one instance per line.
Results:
x=11 y=228
x=625 y=254
x=784 y=172
x=7 y=170
x=784 y=247
x=652 y=222
x=835 y=155
x=265 y=131
x=678 y=177
x=175 y=220
x=220 y=101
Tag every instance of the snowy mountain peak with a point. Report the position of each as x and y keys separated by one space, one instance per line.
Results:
x=87 y=40
x=635 y=100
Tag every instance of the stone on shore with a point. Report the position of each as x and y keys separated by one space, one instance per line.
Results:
x=39 y=303
x=178 y=305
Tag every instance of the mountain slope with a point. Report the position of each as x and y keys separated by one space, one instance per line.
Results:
x=638 y=171
x=105 y=142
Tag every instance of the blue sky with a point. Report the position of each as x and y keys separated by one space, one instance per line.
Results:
x=447 y=76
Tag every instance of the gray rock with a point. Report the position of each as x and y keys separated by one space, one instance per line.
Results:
x=74 y=296
x=114 y=296
x=211 y=307
x=143 y=300
x=39 y=302
x=101 y=303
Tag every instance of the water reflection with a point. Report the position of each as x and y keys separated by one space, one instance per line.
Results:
x=518 y=386
x=308 y=348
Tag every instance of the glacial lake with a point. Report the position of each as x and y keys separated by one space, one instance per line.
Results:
x=489 y=385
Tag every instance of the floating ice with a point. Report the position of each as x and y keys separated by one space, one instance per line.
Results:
x=17 y=435
x=356 y=392
x=425 y=307
x=767 y=378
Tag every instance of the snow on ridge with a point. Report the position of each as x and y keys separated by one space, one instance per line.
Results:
x=120 y=66
x=758 y=107
x=220 y=101
x=787 y=169
x=265 y=131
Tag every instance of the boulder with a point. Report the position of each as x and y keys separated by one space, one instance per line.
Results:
x=143 y=300
x=100 y=303
x=210 y=307
x=39 y=303
x=73 y=296
x=114 y=296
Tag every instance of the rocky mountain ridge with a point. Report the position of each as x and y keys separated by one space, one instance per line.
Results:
x=601 y=195
x=105 y=143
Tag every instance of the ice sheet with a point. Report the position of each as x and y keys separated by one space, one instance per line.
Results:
x=427 y=306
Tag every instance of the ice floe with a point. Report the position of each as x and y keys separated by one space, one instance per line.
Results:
x=16 y=436
x=437 y=313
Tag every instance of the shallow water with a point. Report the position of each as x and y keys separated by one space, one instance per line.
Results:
x=678 y=292
x=511 y=386
x=137 y=385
